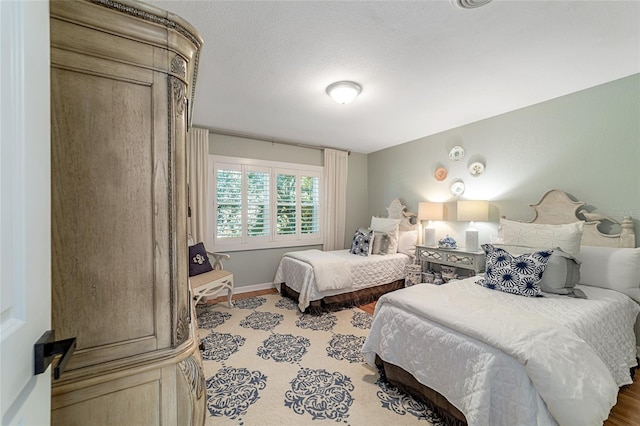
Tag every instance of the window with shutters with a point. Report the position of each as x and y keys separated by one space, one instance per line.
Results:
x=261 y=204
x=309 y=205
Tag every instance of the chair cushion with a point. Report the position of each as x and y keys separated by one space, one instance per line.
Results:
x=198 y=260
x=208 y=277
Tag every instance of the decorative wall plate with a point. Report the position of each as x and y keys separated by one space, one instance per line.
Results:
x=457 y=188
x=441 y=174
x=456 y=153
x=476 y=168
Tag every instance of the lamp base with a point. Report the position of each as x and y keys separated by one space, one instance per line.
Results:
x=429 y=237
x=471 y=240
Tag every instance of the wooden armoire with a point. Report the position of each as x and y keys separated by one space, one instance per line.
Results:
x=122 y=85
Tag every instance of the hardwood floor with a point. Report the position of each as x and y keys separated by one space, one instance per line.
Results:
x=625 y=413
x=369 y=307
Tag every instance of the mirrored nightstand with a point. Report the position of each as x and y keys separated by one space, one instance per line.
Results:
x=471 y=261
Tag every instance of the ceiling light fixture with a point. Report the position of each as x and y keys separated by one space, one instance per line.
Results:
x=470 y=4
x=343 y=92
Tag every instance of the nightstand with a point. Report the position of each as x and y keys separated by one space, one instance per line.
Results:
x=471 y=261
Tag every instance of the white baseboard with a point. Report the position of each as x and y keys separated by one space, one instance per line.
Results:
x=255 y=287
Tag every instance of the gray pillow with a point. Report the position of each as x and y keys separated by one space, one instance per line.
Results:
x=381 y=243
x=561 y=274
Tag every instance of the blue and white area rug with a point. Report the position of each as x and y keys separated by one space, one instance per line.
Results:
x=265 y=363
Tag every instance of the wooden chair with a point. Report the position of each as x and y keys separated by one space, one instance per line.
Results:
x=211 y=283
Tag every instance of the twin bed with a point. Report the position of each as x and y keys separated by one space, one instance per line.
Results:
x=340 y=278
x=370 y=277
x=481 y=356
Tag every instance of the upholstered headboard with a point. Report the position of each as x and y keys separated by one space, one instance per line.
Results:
x=556 y=207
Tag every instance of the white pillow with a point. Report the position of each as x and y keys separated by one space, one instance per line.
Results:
x=407 y=242
x=613 y=268
x=542 y=236
x=390 y=226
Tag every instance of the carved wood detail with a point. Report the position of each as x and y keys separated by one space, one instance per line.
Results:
x=140 y=12
x=157 y=16
x=182 y=327
x=179 y=67
x=557 y=207
x=179 y=94
x=192 y=370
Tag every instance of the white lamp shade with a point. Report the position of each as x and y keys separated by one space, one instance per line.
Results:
x=473 y=211
x=430 y=211
x=344 y=92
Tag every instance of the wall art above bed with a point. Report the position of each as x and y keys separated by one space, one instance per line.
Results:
x=456 y=153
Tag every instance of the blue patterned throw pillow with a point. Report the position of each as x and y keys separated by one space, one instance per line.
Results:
x=514 y=274
x=362 y=242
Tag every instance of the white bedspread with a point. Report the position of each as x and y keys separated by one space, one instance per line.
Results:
x=366 y=271
x=329 y=270
x=528 y=360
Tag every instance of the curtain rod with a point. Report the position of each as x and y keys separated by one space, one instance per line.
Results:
x=272 y=140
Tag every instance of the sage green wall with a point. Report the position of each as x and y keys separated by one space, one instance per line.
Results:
x=586 y=143
x=255 y=267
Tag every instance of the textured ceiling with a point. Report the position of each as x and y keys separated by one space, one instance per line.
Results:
x=424 y=66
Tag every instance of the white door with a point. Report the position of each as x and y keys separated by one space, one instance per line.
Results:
x=25 y=225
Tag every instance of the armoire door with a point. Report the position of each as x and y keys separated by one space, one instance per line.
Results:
x=121 y=74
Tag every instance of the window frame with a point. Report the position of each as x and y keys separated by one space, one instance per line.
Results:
x=273 y=240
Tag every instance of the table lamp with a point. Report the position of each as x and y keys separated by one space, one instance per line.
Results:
x=430 y=211
x=472 y=210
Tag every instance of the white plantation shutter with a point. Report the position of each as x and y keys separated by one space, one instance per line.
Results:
x=228 y=184
x=309 y=205
x=286 y=203
x=258 y=203
x=261 y=204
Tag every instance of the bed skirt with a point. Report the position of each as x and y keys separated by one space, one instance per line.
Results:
x=343 y=300
x=406 y=383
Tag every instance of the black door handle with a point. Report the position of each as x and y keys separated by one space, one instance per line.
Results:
x=46 y=348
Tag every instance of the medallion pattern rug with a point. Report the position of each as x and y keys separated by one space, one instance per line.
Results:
x=265 y=363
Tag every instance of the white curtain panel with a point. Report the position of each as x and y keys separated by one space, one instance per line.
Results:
x=335 y=189
x=197 y=160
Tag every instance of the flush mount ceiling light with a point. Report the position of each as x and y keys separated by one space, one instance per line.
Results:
x=343 y=92
x=470 y=4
